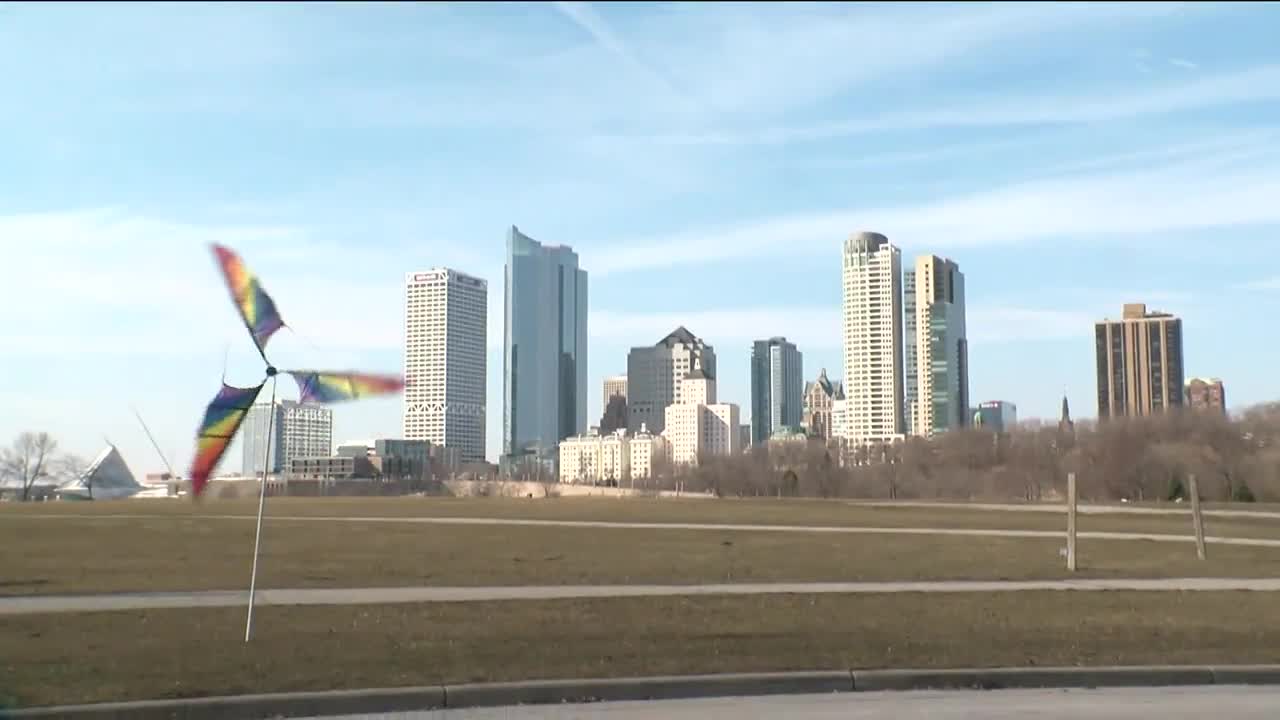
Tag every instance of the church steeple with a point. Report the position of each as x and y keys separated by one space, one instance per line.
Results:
x=1065 y=425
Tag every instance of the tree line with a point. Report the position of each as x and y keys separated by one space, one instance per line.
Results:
x=1136 y=459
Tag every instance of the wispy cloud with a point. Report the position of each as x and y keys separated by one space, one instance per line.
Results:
x=1255 y=84
x=1186 y=64
x=1264 y=284
x=1082 y=207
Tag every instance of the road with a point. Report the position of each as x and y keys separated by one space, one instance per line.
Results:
x=1184 y=510
x=1167 y=703
x=18 y=605
x=721 y=527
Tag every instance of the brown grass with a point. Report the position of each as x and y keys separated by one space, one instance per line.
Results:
x=54 y=659
x=757 y=511
x=183 y=552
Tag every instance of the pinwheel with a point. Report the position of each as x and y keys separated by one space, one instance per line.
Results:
x=229 y=408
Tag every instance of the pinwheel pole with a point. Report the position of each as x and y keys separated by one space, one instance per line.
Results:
x=262 y=501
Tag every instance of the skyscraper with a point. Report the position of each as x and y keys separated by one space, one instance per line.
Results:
x=777 y=385
x=297 y=431
x=910 y=388
x=655 y=374
x=1139 y=362
x=940 y=393
x=544 y=378
x=872 y=334
x=446 y=315
x=614 y=385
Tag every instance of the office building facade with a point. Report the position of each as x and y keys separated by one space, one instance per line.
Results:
x=544 y=347
x=1139 y=363
x=296 y=431
x=996 y=415
x=872 y=338
x=656 y=373
x=777 y=388
x=939 y=397
x=445 y=360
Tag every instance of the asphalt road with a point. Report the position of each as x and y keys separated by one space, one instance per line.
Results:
x=1167 y=703
x=17 y=605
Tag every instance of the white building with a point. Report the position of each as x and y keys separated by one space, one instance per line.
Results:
x=647 y=451
x=840 y=418
x=698 y=426
x=297 y=431
x=873 y=335
x=444 y=360
x=616 y=458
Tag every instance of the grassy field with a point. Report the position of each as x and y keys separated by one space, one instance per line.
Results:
x=755 y=511
x=55 y=659
x=173 y=549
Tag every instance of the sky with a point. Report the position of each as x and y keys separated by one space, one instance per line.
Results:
x=705 y=161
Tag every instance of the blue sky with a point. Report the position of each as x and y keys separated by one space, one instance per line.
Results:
x=706 y=162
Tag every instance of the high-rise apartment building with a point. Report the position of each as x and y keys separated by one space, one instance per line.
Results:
x=819 y=398
x=939 y=396
x=1139 y=362
x=777 y=388
x=872 y=335
x=296 y=431
x=655 y=374
x=544 y=395
x=1206 y=394
x=446 y=318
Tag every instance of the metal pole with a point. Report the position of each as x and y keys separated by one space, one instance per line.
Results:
x=1196 y=518
x=262 y=500
x=1071 y=522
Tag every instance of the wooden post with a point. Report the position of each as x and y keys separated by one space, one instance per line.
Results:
x=1196 y=518
x=1071 y=522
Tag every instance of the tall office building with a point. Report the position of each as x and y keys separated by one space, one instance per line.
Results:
x=297 y=431
x=655 y=374
x=614 y=385
x=872 y=334
x=996 y=415
x=544 y=393
x=910 y=388
x=940 y=393
x=695 y=425
x=777 y=385
x=1206 y=394
x=445 y=322
x=1139 y=362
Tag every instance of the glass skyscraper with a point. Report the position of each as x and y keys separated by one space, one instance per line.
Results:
x=544 y=378
x=777 y=385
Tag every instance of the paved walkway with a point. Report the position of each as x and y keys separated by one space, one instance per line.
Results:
x=1167 y=703
x=370 y=596
x=862 y=530
x=1061 y=509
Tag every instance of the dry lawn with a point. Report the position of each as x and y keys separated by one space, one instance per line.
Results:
x=55 y=659
x=180 y=551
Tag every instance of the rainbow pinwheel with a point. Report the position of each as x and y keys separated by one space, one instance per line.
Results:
x=228 y=410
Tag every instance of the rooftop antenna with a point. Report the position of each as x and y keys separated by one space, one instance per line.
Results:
x=154 y=444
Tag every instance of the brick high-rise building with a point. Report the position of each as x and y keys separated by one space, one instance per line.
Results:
x=1139 y=363
x=1206 y=394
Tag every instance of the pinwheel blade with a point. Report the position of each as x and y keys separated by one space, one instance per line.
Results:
x=222 y=419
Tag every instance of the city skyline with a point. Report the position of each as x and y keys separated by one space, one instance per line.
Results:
x=694 y=197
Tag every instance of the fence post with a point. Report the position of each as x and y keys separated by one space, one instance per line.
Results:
x=1071 y=522
x=1196 y=518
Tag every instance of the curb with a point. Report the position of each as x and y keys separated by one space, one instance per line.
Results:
x=543 y=692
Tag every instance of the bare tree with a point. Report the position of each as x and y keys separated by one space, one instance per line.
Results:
x=28 y=460
x=72 y=466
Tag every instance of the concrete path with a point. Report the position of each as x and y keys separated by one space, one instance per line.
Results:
x=372 y=596
x=1060 y=509
x=1167 y=703
x=721 y=527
